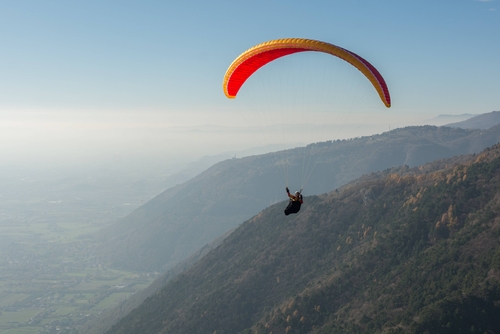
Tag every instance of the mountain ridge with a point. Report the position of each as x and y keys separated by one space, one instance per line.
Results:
x=483 y=121
x=187 y=216
x=405 y=250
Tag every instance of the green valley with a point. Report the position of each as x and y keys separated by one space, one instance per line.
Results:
x=52 y=284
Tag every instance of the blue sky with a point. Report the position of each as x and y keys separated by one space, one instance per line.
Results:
x=69 y=65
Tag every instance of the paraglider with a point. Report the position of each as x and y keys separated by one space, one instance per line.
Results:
x=250 y=61
x=295 y=202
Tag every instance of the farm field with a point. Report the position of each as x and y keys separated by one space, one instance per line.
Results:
x=50 y=282
x=51 y=279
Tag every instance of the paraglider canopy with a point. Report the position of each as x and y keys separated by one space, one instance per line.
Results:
x=254 y=58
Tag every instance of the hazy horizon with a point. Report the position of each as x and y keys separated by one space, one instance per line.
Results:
x=54 y=140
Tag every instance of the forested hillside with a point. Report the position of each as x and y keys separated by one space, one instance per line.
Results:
x=407 y=250
x=184 y=218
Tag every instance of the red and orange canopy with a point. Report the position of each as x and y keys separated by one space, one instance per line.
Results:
x=254 y=58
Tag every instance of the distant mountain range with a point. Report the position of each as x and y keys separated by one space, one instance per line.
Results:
x=198 y=166
x=176 y=223
x=444 y=119
x=483 y=121
x=404 y=250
